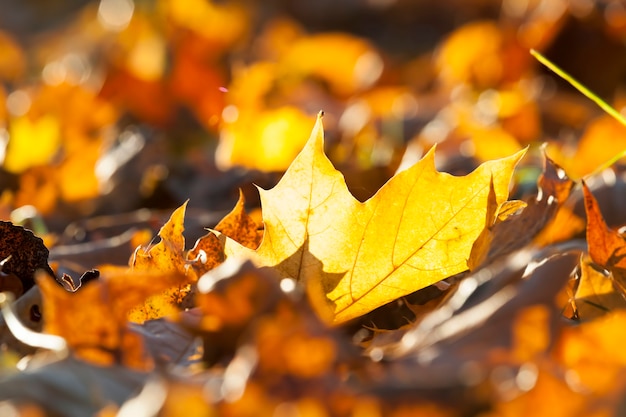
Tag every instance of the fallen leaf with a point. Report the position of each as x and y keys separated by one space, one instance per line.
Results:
x=94 y=319
x=605 y=244
x=207 y=252
x=168 y=254
x=22 y=254
x=595 y=293
x=239 y=226
x=71 y=387
x=520 y=227
x=607 y=248
x=353 y=256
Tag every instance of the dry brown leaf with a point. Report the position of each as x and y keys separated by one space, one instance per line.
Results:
x=595 y=293
x=518 y=228
x=605 y=245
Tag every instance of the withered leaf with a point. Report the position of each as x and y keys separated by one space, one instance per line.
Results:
x=94 y=320
x=607 y=247
x=207 y=252
x=517 y=229
x=595 y=293
x=168 y=254
x=240 y=226
x=23 y=254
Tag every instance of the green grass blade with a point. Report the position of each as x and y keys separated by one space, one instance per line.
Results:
x=558 y=71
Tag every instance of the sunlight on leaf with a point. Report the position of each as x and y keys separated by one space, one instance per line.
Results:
x=418 y=229
x=167 y=255
x=239 y=226
x=595 y=294
x=606 y=246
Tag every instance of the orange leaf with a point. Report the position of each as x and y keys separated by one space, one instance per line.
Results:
x=207 y=253
x=94 y=319
x=238 y=225
x=607 y=248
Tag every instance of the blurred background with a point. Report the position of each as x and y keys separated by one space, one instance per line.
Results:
x=113 y=112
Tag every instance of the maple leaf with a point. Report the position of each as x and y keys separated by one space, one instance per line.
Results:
x=354 y=257
x=607 y=247
x=170 y=255
x=167 y=255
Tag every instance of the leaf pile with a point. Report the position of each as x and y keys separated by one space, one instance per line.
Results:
x=447 y=242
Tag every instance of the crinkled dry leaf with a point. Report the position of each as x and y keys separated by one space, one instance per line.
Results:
x=22 y=254
x=239 y=226
x=606 y=246
x=207 y=253
x=595 y=293
x=94 y=319
x=516 y=230
x=353 y=256
x=168 y=254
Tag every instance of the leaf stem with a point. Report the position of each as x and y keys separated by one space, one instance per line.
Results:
x=558 y=71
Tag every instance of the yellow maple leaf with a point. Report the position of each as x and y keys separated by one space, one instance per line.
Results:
x=354 y=257
x=170 y=256
x=167 y=256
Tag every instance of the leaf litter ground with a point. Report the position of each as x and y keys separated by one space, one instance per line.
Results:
x=238 y=326
x=435 y=295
